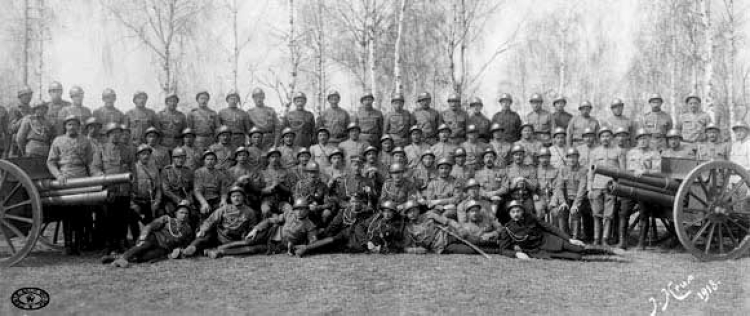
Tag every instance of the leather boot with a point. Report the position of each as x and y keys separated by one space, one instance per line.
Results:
x=245 y=250
x=597 y=231
x=576 y=231
x=607 y=231
x=642 y=232
x=622 y=242
x=562 y=222
x=301 y=250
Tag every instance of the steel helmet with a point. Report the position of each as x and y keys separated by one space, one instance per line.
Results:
x=144 y=147
x=505 y=97
x=559 y=130
x=655 y=96
x=312 y=166
x=641 y=132
x=112 y=126
x=388 y=205
x=424 y=96
x=276 y=151
x=674 y=133
x=584 y=104
x=572 y=152
x=445 y=161
x=460 y=151
x=471 y=183
x=475 y=101
x=299 y=95
x=536 y=97
x=454 y=97
x=517 y=149
x=300 y=203
x=396 y=168
x=178 y=152
x=544 y=151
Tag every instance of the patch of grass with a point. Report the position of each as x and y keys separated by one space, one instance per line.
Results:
x=378 y=284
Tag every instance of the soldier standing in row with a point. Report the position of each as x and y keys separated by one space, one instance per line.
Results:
x=203 y=121
x=223 y=148
x=192 y=155
x=656 y=120
x=171 y=122
x=456 y=118
x=539 y=118
x=287 y=149
x=397 y=122
x=210 y=185
x=602 y=203
x=676 y=149
x=416 y=148
x=92 y=129
x=589 y=143
x=618 y=119
x=55 y=104
x=236 y=119
x=159 y=157
x=712 y=148
x=570 y=195
x=370 y=120
x=301 y=121
x=398 y=188
x=277 y=183
x=108 y=113
x=481 y=122
x=264 y=118
x=140 y=118
x=335 y=119
x=146 y=191
x=35 y=133
x=114 y=158
x=69 y=158
x=473 y=147
x=560 y=118
x=427 y=118
x=509 y=122
x=177 y=182
x=16 y=115
x=640 y=160
x=353 y=146
x=692 y=123
x=580 y=123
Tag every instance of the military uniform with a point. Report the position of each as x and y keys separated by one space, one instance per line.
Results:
x=577 y=126
x=16 y=115
x=266 y=120
x=203 y=121
x=473 y=153
x=238 y=122
x=289 y=156
x=541 y=120
x=212 y=184
x=302 y=123
x=510 y=125
x=139 y=120
x=740 y=153
x=711 y=151
x=620 y=121
x=491 y=181
x=443 y=150
x=193 y=157
x=397 y=124
x=557 y=158
x=271 y=202
x=371 y=123
x=585 y=155
x=414 y=153
x=656 y=122
x=399 y=193
x=693 y=125
x=350 y=184
x=502 y=150
x=457 y=121
x=428 y=121
x=109 y=114
x=108 y=160
x=35 y=136
x=81 y=112
x=681 y=152
x=353 y=148
x=482 y=123
x=531 y=148
x=255 y=158
x=385 y=158
x=146 y=190
x=570 y=191
x=320 y=154
x=335 y=119
x=160 y=157
x=224 y=155
x=177 y=185
x=171 y=124
x=463 y=173
x=447 y=189
x=226 y=224
x=547 y=177
x=602 y=203
x=561 y=119
x=53 y=114
x=422 y=176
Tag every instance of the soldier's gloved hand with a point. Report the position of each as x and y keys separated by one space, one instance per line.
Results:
x=205 y=208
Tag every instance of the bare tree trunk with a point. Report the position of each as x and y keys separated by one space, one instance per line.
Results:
x=321 y=59
x=462 y=50
x=236 y=51
x=397 y=50
x=373 y=70
x=732 y=55
x=41 y=26
x=293 y=57
x=673 y=66
x=452 y=43
x=26 y=41
x=708 y=58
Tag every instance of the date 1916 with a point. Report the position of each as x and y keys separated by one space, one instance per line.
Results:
x=682 y=290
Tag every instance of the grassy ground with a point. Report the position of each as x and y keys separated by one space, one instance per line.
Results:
x=379 y=284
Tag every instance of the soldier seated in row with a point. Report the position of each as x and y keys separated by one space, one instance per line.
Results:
x=473 y=147
x=177 y=184
x=547 y=178
x=337 y=169
x=398 y=155
x=276 y=184
x=286 y=231
x=491 y=180
x=500 y=145
x=315 y=191
x=242 y=166
x=425 y=172
x=223 y=148
x=289 y=152
x=159 y=238
x=557 y=150
x=569 y=201
x=92 y=129
x=353 y=146
x=472 y=195
x=529 y=145
x=622 y=138
x=443 y=192
x=146 y=192
x=211 y=185
x=399 y=188
x=478 y=228
x=303 y=156
x=385 y=156
x=416 y=148
x=254 y=160
x=160 y=154
x=676 y=149
x=372 y=167
x=543 y=138
x=712 y=148
x=444 y=147
x=192 y=155
x=425 y=232
x=322 y=149
x=461 y=171
x=225 y=226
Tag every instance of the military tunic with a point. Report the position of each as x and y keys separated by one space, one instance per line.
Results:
x=428 y=121
x=443 y=150
x=109 y=114
x=139 y=120
x=561 y=119
x=160 y=157
x=371 y=122
x=656 y=122
x=289 y=156
x=320 y=154
x=576 y=127
x=266 y=120
x=146 y=185
x=541 y=120
x=485 y=210
x=224 y=155
x=35 y=136
x=177 y=184
x=335 y=119
x=255 y=158
x=457 y=121
x=81 y=112
x=462 y=173
x=238 y=122
x=414 y=153
x=510 y=125
x=70 y=157
x=610 y=157
x=491 y=181
x=522 y=171
x=681 y=152
x=399 y=192
x=212 y=183
x=482 y=123
x=352 y=148
x=385 y=158
x=474 y=153
x=693 y=126
x=502 y=149
x=531 y=148
x=740 y=153
x=397 y=124
x=112 y=159
x=171 y=124
x=204 y=122
x=422 y=176
x=302 y=123
x=571 y=188
x=712 y=151
x=584 y=155
x=192 y=157
x=557 y=158
x=443 y=189
x=53 y=112
x=16 y=115
x=231 y=222
x=547 y=177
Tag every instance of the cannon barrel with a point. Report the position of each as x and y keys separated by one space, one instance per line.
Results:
x=109 y=179
x=617 y=189
x=644 y=186
x=64 y=192
x=90 y=198
x=653 y=180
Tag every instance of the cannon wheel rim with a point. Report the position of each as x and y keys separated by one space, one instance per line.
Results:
x=6 y=222
x=717 y=214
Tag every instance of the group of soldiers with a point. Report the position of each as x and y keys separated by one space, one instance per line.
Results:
x=348 y=180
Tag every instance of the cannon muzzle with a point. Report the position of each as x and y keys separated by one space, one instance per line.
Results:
x=654 y=180
x=64 y=192
x=91 y=198
x=109 y=179
x=618 y=189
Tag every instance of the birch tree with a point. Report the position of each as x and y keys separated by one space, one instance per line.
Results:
x=398 y=84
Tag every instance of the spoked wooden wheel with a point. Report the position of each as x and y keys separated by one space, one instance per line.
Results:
x=714 y=222
x=20 y=214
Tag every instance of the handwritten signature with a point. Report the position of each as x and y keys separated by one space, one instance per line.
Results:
x=681 y=291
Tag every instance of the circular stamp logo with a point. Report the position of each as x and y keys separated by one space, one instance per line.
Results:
x=30 y=298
